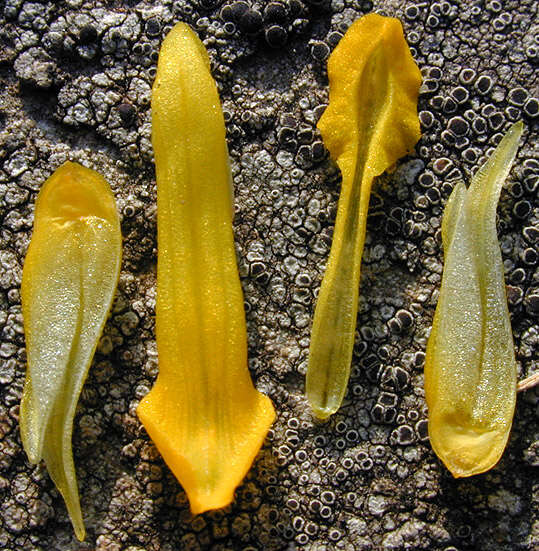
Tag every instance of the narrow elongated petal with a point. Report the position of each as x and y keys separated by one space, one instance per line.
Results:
x=69 y=278
x=203 y=413
x=470 y=369
x=371 y=121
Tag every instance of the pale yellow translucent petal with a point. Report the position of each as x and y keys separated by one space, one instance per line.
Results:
x=69 y=278
x=470 y=369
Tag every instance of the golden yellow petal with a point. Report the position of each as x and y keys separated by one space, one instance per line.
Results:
x=203 y=413
x=371 y=121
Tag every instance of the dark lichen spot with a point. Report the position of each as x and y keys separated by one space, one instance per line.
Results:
x=320 y=51
x=88 y=34
x=127 y=113
x=153 y=27
x=459 y=126
x=531 y=107
x=250 y=22
x=483 y=84
x=276 y=36
x=275 y=12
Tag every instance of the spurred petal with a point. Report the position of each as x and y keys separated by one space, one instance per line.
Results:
x=371 y=121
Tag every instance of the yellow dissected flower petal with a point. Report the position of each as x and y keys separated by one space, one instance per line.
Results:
x=203 y=413
x=470 y=369
x=371 y=121
x=69 y=278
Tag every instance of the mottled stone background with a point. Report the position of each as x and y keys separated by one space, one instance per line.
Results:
x=75 y=84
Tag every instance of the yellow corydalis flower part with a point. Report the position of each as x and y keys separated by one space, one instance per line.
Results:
x=69 y=278
x=371 y=121
x=203 y=413
x=470 y=369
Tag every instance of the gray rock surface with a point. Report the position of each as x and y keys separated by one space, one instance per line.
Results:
x=76 y=80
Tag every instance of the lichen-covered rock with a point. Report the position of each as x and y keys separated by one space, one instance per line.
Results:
x=76 y=80
x=34 y=66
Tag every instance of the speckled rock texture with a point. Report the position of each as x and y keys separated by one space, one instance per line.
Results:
x=76 y=80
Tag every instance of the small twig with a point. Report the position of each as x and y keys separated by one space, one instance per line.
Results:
x=528 y=382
